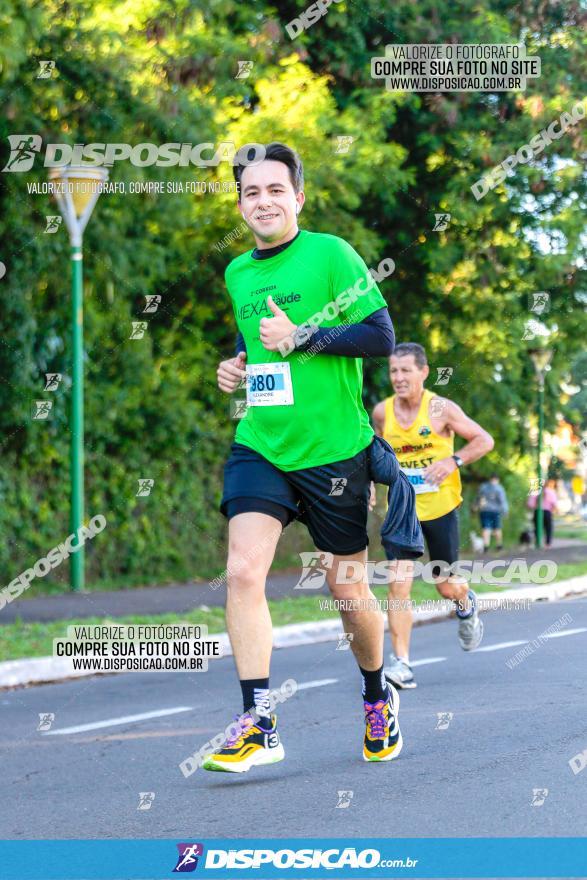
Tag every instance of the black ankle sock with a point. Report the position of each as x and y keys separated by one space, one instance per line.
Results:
x=255 y=693
x=374 y=685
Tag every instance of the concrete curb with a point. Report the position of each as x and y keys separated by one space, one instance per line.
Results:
x=42 y=670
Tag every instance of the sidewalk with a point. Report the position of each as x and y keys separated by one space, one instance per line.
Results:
x=180 y=598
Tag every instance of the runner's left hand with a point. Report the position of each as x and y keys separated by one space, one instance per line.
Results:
x=438 y=471
x=274 y=330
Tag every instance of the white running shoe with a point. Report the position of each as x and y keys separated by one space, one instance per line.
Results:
x=399 y=673
x=471 y=627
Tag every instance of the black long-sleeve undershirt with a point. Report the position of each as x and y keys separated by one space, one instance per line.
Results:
x=373 y=337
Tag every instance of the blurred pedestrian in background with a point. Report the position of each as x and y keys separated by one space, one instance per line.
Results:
x=492 y=504
x=578 y=489
x=549 y=508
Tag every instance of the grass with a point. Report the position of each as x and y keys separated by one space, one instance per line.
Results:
x=571 y=531
x=23 y=639
x=568 y=570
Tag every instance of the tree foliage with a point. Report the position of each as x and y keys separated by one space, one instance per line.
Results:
x=163 y=71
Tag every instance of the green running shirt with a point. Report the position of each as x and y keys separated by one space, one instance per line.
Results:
x=327 y=421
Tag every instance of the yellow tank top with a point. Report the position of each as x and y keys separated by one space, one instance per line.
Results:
x=416 y=447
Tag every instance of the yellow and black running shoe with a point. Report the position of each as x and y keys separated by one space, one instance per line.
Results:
x=250 y=745
x=383 y=739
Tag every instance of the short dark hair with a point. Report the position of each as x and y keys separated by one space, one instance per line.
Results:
x=405 y=348
x=277 y=152
x=494 y=477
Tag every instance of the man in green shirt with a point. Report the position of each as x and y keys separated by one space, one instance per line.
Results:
x=307 y=310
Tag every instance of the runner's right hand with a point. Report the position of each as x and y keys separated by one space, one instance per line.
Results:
x=231 y=373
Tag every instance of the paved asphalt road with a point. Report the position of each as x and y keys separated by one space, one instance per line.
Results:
x=512 y=731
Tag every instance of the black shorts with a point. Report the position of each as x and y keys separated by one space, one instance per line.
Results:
x=331 y=499
x=490 y=519
x=442 y=538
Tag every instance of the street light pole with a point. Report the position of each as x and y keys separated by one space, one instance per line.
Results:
x=539 y=511
x=77 y=191
x=76 y=451
x=541 y=358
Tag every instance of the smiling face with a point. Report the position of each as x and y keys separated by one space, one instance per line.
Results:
x=268 y=203
x=406 y=376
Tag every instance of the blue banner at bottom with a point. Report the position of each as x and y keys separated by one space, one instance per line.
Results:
x=446 y=858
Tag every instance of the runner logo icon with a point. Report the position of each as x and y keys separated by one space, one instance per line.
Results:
x=444 y=719
x=188 y=857
x=313 y=574
x=441 y=222
x=338 y=484
x=344 y=799
x=46 y=719
x=444 y=374
x=23 y=149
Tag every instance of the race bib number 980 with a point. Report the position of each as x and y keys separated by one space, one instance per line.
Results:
x=269 y=385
